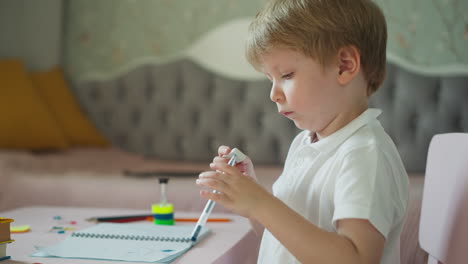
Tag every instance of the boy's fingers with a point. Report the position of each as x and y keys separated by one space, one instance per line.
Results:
x=223 y=150
x=215 y=184
x=223 y=166
x=217 y=175
x=207 y=174
x=217 y=197
x=212 y=184
x=213 y=175
x=219 y=159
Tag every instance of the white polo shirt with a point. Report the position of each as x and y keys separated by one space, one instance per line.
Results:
x=354 y=173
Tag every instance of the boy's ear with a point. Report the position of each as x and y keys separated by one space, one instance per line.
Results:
x=349 y=63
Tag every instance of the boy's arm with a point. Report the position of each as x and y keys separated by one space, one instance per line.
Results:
x=357 y=240
x=257 y=227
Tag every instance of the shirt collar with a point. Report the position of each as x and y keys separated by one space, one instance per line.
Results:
x=332 y=141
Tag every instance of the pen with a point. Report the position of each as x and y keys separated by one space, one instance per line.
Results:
x=209 y=220
x=235 y=156
x=133 y=218
x=119 y=219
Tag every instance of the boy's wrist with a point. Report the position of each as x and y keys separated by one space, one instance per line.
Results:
x=263 y=207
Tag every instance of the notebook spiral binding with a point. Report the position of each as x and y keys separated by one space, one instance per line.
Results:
x=132 y=237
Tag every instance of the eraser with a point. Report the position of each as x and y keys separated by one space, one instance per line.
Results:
x=158 y=208
x=163 y=214
x=239 y=155
x=164 y=222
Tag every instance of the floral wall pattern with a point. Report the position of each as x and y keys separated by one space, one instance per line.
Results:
x=428 y=36
x=105 y=37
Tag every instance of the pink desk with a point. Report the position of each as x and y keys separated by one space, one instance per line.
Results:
x=231 y=242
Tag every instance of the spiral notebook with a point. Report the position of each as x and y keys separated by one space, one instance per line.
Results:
x=125 y=242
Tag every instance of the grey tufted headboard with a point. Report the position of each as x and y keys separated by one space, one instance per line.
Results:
x=181 y=111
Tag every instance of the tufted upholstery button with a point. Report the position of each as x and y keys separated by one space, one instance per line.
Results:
x=242 y=93
x=259 y=121
x=149 y=91
x=120 y=93
x=122 y=139
x=458 y=122
x=195 y=119
x=227 y=118
x=135 y=117
x=106 y=117
x=162 y=117
x=148 y=142
x=94 y=94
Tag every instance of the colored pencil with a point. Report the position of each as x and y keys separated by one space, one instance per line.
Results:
x=196 y=219
x=133 y=218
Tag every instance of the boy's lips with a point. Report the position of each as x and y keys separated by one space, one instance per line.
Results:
x=286 y=113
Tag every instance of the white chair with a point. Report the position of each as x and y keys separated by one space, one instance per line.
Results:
x=443 y=230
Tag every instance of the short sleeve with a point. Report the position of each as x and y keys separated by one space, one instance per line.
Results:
x=365 y=189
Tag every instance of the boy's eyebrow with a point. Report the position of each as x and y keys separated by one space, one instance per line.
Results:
x=273 y=68
x=276 y=70
x=263 y=70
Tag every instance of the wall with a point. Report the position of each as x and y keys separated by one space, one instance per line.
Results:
x=31 y=30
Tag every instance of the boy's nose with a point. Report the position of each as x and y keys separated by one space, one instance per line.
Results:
x=276 y=95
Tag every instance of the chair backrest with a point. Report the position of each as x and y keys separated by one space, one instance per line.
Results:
x=442 y=232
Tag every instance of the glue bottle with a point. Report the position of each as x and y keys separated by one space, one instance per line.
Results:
x=163 y=212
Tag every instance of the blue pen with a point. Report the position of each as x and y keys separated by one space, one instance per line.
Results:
x=235 y=156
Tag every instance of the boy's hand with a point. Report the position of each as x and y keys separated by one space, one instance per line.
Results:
x=246 y=166
x=237 y=186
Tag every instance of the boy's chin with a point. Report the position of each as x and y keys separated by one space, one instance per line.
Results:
x=299 y=125
x=303 y=126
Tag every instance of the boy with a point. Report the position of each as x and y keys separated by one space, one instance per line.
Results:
x=343 y=192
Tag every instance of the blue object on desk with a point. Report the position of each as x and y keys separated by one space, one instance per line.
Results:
x=5 y=258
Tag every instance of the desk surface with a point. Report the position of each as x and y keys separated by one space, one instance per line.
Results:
x=231 y=242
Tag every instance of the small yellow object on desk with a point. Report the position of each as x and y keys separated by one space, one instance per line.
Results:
x=20 y=229
x=163 y=212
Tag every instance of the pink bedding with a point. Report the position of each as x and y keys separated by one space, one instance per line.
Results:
x=95 y=178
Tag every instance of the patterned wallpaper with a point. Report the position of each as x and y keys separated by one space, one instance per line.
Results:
x=106 y=37
x=428 y=36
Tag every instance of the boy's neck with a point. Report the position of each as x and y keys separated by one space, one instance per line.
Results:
x=342 y=119
x=314 y=137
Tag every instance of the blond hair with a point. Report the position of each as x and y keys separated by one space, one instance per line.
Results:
x=319 y=28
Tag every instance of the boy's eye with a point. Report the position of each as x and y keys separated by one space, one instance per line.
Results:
x=287 y=76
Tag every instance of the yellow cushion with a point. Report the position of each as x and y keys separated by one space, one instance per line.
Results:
x=54 y=90
x=25 y=121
